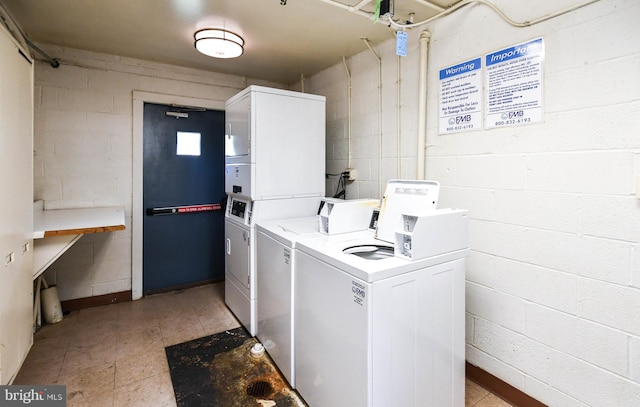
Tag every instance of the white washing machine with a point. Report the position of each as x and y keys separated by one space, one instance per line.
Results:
x=374 y=329
x=275 y=273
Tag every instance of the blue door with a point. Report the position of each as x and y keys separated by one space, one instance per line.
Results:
x=183 y=194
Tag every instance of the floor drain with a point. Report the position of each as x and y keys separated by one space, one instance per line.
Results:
x=259 y=388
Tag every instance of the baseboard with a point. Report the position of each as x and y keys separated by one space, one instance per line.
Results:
x=500 y=388
x=98 y=300
x=183 y=286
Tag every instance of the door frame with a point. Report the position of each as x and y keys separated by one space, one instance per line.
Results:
x=137 y=212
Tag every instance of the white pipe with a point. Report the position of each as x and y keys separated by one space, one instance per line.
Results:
x=344 y=62
x=361 y=4
x=349 y=8
x=399 y=118
x=366 y=41
x=422 y=104
x=445 y=11
x=431 y=5
x=494 y=8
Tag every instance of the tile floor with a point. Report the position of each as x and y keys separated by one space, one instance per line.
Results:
x=114 y=355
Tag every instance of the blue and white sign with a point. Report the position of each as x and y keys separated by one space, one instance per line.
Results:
x=401 y=43
x=461 y=97
x=513 y=90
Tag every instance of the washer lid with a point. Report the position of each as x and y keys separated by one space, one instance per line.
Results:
x=403 y=196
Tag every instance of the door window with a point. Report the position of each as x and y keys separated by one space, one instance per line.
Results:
x=187 y=143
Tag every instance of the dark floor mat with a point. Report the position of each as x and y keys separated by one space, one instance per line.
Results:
x=218 y=371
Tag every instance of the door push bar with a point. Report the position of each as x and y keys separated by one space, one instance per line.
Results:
x=178 y=210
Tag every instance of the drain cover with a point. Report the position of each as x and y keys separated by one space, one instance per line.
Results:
x=259 y=388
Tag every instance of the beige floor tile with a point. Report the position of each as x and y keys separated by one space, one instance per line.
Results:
x=39 y=371
x=137 y=310
x=138 y=341
x=102 y=399
x=81 y=356
x=104 y=313
x=93 y=333
x=65 y=328
x=44 y=361
x=131 y=325
x=217 y=319
x=473 y=393
x=214 y=326
x=140 y=366
x=174 y=334
x=88 y=384
x=155 y=391
x=492 y=400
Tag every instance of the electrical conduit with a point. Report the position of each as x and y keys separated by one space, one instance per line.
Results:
x=344 y=62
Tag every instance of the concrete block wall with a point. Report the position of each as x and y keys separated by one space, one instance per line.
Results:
x=553 y=280
x=376 y=154
x=83 y=150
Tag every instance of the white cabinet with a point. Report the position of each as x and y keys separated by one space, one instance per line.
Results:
x=16 y=206
x=275 y=144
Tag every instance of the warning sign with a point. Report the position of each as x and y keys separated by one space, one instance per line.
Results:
x=514 y=85
x=461 y=97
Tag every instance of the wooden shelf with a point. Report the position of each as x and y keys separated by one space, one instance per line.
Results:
x=55 y=231
x=77 y=221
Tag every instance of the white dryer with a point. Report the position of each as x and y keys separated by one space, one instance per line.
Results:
x=374 y=329
x=241 y=217
x=276 y=246
x=276 y=243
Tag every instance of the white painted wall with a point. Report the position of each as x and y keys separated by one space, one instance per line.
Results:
x=553 y=281
x=83 y=150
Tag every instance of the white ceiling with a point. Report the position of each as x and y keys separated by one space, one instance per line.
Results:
x=282 y=42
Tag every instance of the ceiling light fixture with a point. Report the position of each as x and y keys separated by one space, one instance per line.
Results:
x=219 y=43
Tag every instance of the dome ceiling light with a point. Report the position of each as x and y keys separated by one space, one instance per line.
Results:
x=219 y=43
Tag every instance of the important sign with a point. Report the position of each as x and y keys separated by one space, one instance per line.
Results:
x=461 y=97
x=513 y=85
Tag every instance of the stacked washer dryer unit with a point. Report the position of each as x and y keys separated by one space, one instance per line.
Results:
x=274 y=168
x=380 y=319
x=275 y=270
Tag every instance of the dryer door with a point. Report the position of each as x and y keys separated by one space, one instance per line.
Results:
x=237 y=253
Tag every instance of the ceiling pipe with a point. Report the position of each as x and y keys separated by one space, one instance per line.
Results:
x=362 y=4
x=6 y=19
x=495 y=8
x=431 y=5
x=352 y=9
x=446 y=11
x=425 y=36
